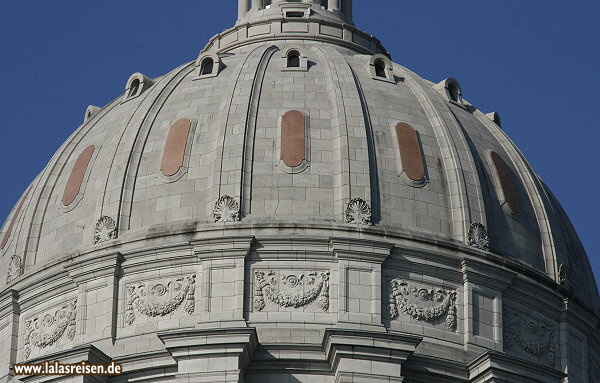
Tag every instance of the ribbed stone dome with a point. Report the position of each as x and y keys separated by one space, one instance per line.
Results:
x=295 y=174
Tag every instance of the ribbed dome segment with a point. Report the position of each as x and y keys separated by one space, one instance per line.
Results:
x=292 y=130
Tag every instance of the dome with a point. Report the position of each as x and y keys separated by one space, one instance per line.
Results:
x=292 y=193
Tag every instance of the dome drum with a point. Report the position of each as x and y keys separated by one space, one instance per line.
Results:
x=293 y=206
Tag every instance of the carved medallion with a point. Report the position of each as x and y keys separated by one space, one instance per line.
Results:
x=106 y=230
x=15 y=268
x=431 y=305
x=358 y=212
x=527 y=335
x=46 y=329
x=160 y=298
x=291 y=290
x=226 y=210
x=478 y=236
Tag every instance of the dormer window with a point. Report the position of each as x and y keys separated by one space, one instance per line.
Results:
x=450 y=88
x=207 y=66
x=90 y=112
x=134 y=89
x=380 y=68
x=293 y=60
x=136 y=85
x=454 y=92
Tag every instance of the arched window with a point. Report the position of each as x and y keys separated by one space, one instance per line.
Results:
x=207 y=66
x=134 y=88
x=137 y=84
x=293 y=59
x=454 y=92
x=380 y=69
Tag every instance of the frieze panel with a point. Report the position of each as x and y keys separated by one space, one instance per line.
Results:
x=46 y=329
x=422 y=303
x=530 y=337
x=291 y=290
x=159 y=298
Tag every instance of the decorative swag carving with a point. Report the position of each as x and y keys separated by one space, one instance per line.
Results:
x=530 y=335
x=160 y=298
x=427 y=305
x=300 y=290
x=46 y=329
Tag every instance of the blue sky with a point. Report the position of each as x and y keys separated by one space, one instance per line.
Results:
x=536 y=62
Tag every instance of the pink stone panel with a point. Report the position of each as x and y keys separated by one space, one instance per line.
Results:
x=410 y=151
x=77 y=174
x=174 y=151
x=293 y=141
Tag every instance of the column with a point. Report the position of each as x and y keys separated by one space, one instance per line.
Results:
x=243 y=8
x=257 y=4
x=332 y=5
x=347 y=9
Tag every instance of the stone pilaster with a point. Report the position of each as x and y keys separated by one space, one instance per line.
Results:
x=364 y=356
x=359 y=268
x=211 y=356
x=9 y=330
x=97 y=282
x=223 y=274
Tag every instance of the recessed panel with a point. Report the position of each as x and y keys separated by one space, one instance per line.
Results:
x=77 y=174
x=410 y=152
x=174 y=152
x=293 y=145
x=507 y=183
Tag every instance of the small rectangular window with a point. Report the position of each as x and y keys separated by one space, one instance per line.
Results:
x=294 y=14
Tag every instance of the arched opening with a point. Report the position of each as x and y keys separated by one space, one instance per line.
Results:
x=454 y=92
x=293 y=59
x=134 y=88
x=380 y=69
x=207 y=66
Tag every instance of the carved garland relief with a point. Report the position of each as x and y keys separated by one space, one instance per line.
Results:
x=291 y=290
x=530 y=336
x=46 y=329
x=423 y=304
x=160 y=298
